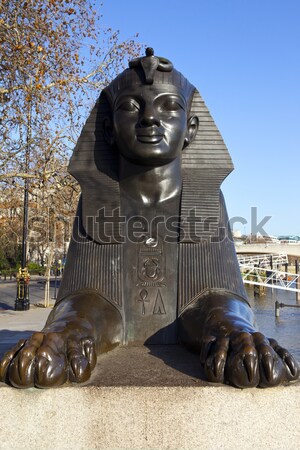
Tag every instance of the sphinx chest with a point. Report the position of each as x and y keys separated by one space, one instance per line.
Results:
x=150 y=274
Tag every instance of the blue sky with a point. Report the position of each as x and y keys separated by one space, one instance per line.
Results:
x=243 y=56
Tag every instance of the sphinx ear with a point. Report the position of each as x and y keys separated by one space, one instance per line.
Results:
x=108 y=130
x=192 y=128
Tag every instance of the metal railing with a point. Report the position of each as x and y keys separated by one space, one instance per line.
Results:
x=264 y=260
x=271 y=278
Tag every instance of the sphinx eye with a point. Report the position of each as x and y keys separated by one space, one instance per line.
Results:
x=172 y=105
x=128 y=105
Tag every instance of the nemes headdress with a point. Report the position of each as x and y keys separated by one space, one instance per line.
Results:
x=205 y=162
x=150 y=69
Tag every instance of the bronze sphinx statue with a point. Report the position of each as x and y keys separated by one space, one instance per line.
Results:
x=151 y=258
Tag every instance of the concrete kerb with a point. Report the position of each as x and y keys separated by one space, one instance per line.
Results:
x=151 y=418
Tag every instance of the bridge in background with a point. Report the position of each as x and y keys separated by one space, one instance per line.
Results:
x=264 y=260
x=270 y=248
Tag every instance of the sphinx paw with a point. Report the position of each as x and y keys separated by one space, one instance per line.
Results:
x=48 y=360
x=245 y=359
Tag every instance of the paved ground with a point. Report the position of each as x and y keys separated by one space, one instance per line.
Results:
x=8 y=289
x=15 y=325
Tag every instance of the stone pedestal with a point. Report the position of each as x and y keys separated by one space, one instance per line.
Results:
x=150 y=398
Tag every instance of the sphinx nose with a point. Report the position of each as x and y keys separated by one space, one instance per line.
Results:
x=149 y=118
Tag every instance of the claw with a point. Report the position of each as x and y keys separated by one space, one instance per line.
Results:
x=20 y=373
x=205 y=348
x=51 y=363
x=89 y=351
x=216 y=360
x=250 y=363
x=22 y=367
x=268 y=366
x=292 y=365
x=242 y=366
x=218 y=366
x=8 y=357
x=274 y=344
x=80 y=369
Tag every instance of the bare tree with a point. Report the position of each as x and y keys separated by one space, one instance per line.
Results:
x=55 y=57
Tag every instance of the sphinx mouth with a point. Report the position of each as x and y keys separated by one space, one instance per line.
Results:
x=149 y=136
x=150 y=139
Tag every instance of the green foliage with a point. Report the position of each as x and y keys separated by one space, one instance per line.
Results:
x=10 y=255
x=35 y=269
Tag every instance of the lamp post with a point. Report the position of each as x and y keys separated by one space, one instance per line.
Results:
x=22 y=302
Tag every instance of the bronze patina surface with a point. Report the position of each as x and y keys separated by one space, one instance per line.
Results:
x=151 y=259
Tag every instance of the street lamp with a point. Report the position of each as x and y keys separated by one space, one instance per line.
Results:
x=22 y=302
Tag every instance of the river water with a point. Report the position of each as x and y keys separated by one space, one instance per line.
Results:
x=286 y=328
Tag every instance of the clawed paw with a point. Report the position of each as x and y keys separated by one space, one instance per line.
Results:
x=247 y=360
x=48 y=360
x=291 y=365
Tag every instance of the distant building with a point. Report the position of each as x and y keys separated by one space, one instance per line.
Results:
x=258 y=239
x=292 y=239
x=272 y=239
x=236 y=234
x=289 y=239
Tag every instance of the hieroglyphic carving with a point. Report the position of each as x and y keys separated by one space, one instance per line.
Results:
x=159 y=307
x=143 y=298
x=151 y=266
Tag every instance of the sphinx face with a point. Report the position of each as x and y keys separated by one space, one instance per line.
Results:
x=150 y=124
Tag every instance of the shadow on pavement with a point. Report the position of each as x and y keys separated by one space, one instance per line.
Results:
x=8 y=338
x=6 y=306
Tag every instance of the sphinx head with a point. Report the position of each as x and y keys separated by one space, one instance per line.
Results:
x=149 y=113
x=150 y=102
